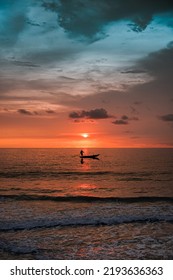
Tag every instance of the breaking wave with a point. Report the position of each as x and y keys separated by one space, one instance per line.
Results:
x=83 y=221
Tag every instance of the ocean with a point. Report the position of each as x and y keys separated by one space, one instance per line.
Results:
x=53 y=206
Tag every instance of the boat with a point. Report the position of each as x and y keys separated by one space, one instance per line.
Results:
x=90 y=156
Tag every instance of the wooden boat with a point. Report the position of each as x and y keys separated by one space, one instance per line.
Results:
x=90 y=156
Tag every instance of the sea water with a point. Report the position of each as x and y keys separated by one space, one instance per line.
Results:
x=53 y=206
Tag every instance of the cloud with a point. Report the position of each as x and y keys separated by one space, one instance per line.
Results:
x=158 y=86
x=46 y=56
x=50 y=112
x=124 y=120
x=92 y=114
x=13 y=21
x=124 y=117
x=88 y=18
x=24 y=63
x=13 y=27
x=8 y=84
x=24 y=112
x=167 y=118
x=133 y=71
x=120 y=122
x=33 y=113
x=159 y=64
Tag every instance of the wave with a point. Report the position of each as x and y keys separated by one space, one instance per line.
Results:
x=87 y=175
x=17 y=250
x=87 y=199
x=50 y=173
x=35 y=174
x=84 y=221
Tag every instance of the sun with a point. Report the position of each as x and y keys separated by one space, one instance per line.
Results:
x=85 y=135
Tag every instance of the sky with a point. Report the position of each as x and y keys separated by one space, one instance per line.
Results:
x=86 y=73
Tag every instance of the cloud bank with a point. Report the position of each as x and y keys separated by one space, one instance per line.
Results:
x=88 y=18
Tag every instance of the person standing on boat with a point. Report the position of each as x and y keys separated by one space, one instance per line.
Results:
x=81 y=153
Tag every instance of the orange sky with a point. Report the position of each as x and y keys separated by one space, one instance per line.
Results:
x=51 y=132
x=109 y=75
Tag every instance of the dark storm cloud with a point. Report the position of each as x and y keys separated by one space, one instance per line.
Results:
x=92 y=114
x=159 y=64
x=88 y=17
x=158 y=89
x=167 y=118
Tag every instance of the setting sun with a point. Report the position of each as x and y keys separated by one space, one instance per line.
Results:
x=85 y=135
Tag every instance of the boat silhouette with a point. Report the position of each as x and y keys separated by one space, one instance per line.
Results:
x=91 y=156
